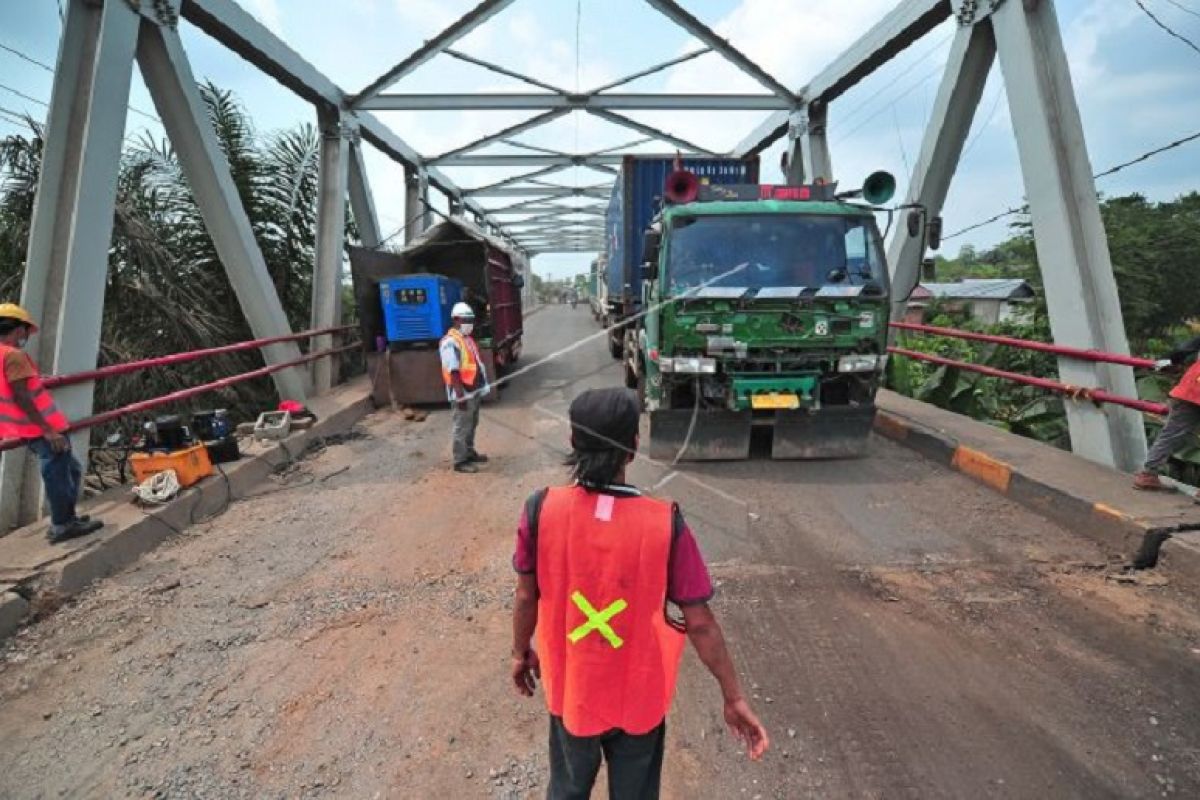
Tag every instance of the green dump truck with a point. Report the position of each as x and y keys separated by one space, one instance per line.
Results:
x=764 y=306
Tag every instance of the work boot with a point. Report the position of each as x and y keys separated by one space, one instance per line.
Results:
x=478 y=458
x=73 y=530
x=466 y=466
x=1149 y=481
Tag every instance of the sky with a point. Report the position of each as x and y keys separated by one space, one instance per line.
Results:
x=1136 y=86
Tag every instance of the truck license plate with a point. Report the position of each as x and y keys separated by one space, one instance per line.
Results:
x=775 y=400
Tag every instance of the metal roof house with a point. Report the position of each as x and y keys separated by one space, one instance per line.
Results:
x=989 y=300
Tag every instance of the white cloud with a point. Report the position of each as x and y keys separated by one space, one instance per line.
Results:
x=267 y=12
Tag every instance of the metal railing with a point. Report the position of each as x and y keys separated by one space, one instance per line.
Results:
x=1067 y=390
x=181 y=358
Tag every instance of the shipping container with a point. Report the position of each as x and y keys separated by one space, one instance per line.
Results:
x=636 y=197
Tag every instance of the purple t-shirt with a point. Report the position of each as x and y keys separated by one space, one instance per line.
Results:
x=688 y=582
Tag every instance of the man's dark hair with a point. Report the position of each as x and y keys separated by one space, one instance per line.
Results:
x=604 y=426
x=597 y=467
x=9 y=324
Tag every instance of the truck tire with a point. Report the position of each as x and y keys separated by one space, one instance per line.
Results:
x=616 y=347
x=631 y=377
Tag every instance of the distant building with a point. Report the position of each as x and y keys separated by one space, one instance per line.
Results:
x=987 y=300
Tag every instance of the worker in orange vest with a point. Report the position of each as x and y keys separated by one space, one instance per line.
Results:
x=466 y=385
x=1183 y=419
x=597 y=563
x=28 y=413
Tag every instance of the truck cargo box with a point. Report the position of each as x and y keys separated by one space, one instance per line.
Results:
x=636 y=198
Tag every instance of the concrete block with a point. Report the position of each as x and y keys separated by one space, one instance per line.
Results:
x=13 y=610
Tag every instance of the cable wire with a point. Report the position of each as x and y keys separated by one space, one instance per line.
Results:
x=43 y=65
x=1184 y=8
x=1166 y=27
x=1149 y=154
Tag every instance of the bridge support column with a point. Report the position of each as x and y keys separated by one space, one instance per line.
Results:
x=818 y=165
x=361 y=200
x=971 y=56
x=67 y=262
x=331 y=236
x=808 y=156
x=1072 y=246
x=168 y=76
x=416 y=204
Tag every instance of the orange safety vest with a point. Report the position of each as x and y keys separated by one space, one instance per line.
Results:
x=14 y=424
x=468 y=358
x=609 y=657
x=1188 y=388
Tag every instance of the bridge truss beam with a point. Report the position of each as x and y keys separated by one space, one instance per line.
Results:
x=1081 y=291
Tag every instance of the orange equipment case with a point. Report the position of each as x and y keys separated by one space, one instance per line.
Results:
x=190 y=464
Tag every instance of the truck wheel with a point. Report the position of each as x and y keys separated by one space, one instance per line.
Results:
x=616 y=347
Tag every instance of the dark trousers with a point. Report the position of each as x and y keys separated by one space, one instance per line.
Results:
x=634 y=763
x=1181 y=423
x=62 y=476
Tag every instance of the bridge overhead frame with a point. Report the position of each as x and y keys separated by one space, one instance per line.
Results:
x=74 y=206
x=1081 y=291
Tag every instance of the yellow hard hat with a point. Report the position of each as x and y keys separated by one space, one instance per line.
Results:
x=14 y=311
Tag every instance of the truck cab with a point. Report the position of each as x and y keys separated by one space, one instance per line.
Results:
x=768 y=307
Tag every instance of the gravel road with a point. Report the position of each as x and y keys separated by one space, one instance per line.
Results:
x=905 y=633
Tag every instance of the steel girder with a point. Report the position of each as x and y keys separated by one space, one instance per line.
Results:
x=460 y=28
x=677 y=14
x=522 y=101
x=910 y=20
x=233 y=27
x=1072 y=246
x=542 y=192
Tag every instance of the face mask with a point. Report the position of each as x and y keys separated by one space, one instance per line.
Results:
x=466 y=328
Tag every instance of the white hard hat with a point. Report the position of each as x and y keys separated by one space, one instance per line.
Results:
x=462 y=311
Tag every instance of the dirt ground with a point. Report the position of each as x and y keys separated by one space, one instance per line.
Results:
x=904 y=632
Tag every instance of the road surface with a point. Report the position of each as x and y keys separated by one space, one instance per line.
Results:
x=904 y=632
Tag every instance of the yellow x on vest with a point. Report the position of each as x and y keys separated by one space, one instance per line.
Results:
x=597 y=620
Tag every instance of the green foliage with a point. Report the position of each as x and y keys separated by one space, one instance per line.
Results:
x=1153 y=248
x=167 y=290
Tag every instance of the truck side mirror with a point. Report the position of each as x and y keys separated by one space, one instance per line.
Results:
x=651 y=242
x=929 y=270
x=913 y=220
x=933 y=233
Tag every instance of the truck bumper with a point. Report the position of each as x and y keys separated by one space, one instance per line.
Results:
x=829 y=432
x=687 y=435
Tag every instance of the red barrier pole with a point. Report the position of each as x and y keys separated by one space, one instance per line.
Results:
x=184 y=394
x=54 y=381
x=1075 y=392
x=1026 y=344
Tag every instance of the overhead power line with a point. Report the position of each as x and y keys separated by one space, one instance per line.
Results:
x=43 y=65
x=1146 y=156
x=24 y=96
x=1166 y=27
x=1184 y=8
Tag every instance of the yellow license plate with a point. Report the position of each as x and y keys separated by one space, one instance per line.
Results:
x=774 y=400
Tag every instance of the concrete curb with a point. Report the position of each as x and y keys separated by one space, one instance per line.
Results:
x=135 y=532
x=1139 y=539
x=13 y=609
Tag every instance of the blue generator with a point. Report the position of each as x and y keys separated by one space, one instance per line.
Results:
x=416 y=308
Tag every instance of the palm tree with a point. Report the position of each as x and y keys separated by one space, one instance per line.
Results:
x=167 y=290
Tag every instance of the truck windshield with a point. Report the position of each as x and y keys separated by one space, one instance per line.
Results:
x=772 y=250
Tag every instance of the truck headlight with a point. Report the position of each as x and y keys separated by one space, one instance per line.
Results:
x=861 y=362
x=691 y=365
